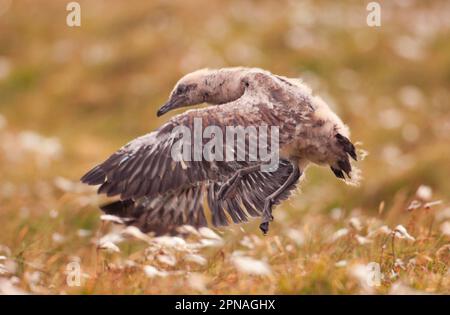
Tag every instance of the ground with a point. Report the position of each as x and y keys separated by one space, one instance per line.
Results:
x=70 y=96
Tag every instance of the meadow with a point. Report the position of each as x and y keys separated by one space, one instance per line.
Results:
x=70 y=96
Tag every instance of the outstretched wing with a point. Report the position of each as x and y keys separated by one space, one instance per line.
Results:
x=158 y=193
x=145 y=166
x=185 y=206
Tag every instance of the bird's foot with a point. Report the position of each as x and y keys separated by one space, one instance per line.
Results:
x=264 y=227
x=267 y=216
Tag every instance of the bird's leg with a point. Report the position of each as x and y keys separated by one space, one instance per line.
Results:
x=230 y=185
x=270 y=200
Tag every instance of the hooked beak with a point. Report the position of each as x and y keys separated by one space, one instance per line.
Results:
x=171 y=104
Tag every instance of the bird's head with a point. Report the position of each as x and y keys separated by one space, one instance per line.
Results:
x=206 y=86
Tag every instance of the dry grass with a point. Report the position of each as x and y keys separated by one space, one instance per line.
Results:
x=84 y=92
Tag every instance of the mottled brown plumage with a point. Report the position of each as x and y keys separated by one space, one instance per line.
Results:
x=159 y=194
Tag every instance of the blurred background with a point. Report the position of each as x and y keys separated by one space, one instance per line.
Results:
x=70 y=96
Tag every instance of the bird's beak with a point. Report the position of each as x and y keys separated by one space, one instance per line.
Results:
x=171 y=104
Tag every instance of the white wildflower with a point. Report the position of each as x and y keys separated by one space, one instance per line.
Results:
x=188 y=229
x=210 y=243
x=251 y=266
x=401 y=232
x=167 y=260
x=208 y=233
x=171 y=242
x=339 y=234
x=136 y=233
x=356 y=223
x=196 y=259
x=152 y=272
x=112 y=237
x=341 y=263
x=111 y=218
x=109 y=246
x=424 y=192
x=247 y=242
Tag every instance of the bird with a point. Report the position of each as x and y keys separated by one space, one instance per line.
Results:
x=158 y=194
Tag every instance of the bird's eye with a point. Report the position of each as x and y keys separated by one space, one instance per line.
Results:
x=181 y=89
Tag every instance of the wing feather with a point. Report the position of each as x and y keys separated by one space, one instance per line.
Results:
x=164 y=213
x=145 y=167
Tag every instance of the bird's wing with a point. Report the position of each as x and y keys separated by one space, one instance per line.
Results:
x=145 y=167
x=185 y=206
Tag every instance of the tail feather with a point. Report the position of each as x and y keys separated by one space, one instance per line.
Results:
x=343 y=166
x=347 y=146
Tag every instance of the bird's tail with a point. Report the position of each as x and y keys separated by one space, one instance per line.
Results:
x=343 y=165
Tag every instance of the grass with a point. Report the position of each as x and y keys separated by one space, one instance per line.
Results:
x=71 y=96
